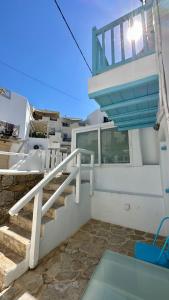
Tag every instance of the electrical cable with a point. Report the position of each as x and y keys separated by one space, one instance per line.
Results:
x=77 y=44
x=38 y=80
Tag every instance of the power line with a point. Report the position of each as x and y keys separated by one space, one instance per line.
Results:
x=77 y=44
x=38 y=80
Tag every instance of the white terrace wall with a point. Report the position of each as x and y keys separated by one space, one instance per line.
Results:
x=41 y=142
x=69 y=219
x=131 y=195
x=142 y=212
x=150 y=149
x=127 y=179
x=121 y=74
x=16 y=110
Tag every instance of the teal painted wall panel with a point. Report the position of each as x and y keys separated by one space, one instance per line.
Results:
x=132 y=105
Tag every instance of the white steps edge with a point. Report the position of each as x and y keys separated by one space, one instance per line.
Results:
x=4 y=230
x=15 y=272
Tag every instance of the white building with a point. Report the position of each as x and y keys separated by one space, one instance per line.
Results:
x=15 y=109
x=96 y=117
x=48 y=130
x=129 y=86
x=15 y=116
x=25 y=129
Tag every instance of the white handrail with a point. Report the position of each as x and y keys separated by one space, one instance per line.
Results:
x=12 y=153
x=59 y=191
x=28 y=197
x=37 y=194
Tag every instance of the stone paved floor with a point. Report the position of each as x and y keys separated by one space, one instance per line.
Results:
x=64 y=273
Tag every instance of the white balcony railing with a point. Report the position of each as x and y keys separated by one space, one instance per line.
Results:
x=23 y=162
x=117 y=43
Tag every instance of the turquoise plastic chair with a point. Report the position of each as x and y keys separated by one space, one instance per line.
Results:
x=151 y=252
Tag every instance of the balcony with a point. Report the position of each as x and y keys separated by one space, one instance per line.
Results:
x=125 y=79
x=118 y=42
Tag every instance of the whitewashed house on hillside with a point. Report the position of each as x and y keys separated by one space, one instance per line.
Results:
x=15 y=109
x=15 y=116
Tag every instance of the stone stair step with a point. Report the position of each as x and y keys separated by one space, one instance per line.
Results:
x=8 y=263
x=47 y=195
x=14 y=241
x=51 y=213
x=60 y=178
x=21 y=231
x=51 y=187
x=24 y=220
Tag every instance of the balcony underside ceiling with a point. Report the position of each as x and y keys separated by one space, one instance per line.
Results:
x=131 y=105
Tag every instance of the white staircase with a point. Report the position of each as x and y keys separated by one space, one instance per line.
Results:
x=43 y=218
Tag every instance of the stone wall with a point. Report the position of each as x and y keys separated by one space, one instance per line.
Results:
x=13 y=188
x=4 y=159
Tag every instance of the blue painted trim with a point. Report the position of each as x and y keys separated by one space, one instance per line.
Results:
x=159 y=229
x=99 y=63
x=112 y=48
x=163 y=148
x=167 y=191
x=125 y=86
x=136 y=122
x=124 y=18
x=137 y=113
x=135 y=127
x=145 y=42
x=127 y=103
x=122 y=43
x=94 y=49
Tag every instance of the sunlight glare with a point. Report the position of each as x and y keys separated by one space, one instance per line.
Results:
x=135 y=32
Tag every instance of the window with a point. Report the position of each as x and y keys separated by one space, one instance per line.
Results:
x=8 y=130
x=114 y=146
x=64 y=124
x=66 y=138
x=88 y=140
x=105 y=120
x=52 y=131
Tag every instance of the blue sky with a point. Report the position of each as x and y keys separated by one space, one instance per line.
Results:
x=35 y=40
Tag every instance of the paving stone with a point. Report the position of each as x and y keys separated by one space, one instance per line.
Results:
x=49 y=293
x=65 y=271
x=82 y=236
x=31 y=282
x=10 y=293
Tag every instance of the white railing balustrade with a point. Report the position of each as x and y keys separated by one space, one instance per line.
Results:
x=12 y=153
x=36 y=193
x=115 y=44
x=53 y=157
x=27 y=162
